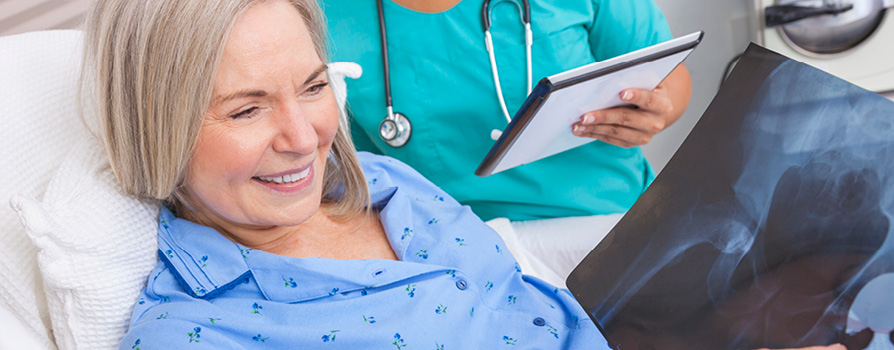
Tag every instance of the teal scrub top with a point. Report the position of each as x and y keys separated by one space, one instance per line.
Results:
x=441 y=80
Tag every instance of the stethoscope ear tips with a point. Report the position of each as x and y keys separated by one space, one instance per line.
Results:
x=495 y=134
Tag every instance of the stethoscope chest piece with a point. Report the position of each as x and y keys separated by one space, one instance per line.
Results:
x=396 y=130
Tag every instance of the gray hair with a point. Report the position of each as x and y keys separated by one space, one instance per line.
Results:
x=148 y=71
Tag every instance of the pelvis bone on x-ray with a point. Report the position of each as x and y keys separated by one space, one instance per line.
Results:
x=770 y=227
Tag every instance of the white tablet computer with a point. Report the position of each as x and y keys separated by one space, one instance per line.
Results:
x=542 y=126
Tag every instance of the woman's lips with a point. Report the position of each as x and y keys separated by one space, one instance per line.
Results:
x=291 y=181
x=287 y=178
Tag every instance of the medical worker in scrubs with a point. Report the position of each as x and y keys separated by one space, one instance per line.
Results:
x=441 y=79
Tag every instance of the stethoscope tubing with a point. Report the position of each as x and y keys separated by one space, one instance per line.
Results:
x=525 y=14
x=386 y=66
x=485 y=13
x=400 y=124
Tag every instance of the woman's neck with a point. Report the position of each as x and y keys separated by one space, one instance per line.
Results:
x=359 y=237
x=427 y=6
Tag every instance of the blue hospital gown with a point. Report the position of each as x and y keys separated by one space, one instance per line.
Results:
x=456 y=286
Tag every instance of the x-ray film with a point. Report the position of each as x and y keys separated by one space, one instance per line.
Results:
x=769 y=228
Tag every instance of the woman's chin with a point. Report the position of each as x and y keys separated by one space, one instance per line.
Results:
x=292 y=214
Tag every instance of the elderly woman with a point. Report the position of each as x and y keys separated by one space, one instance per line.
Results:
x=275 y=233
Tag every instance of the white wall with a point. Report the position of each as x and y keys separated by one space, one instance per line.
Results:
x=19 y=16
x=727 y=33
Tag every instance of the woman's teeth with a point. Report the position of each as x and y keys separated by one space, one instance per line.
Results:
x=286 y=178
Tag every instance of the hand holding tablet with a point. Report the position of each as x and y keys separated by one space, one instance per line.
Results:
x=543 y=125
x=646 y=114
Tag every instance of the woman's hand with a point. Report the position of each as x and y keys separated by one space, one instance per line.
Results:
x=653 y=111
x=827 y=347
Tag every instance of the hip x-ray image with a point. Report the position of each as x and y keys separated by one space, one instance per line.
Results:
x=770 y=227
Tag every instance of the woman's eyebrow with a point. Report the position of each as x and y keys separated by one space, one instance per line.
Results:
x=316 y=73
x=238 y=94
x=261 y=93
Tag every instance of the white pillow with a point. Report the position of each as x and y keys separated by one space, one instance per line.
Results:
x=15 y=335
x=97 y=246
x=38 y=76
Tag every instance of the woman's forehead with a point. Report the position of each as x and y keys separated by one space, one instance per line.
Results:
x=269 y=25
x=269 y=40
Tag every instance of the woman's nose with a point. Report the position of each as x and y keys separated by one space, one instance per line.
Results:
x=296 y=132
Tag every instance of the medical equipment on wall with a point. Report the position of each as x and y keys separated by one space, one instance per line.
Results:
x=396 y=129
x=848 y=38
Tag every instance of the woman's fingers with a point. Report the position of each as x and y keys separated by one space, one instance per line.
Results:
x=628 y=126
x=617 y=135
x=624 y=127
x=626 y=117
x=656 y=101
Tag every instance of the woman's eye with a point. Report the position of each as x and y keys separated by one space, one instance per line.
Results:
x=316 y=88
x=246 y=113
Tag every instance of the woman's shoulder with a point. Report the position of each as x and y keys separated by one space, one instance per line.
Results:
x=385 y=168
x=384 y=172
x=372 y=162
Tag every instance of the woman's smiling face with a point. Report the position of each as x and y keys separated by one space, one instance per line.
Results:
x=262 y=150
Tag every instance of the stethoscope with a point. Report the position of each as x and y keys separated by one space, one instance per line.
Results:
x=396 y=129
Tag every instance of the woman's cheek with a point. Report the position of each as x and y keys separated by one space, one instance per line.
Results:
x=328 y=126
